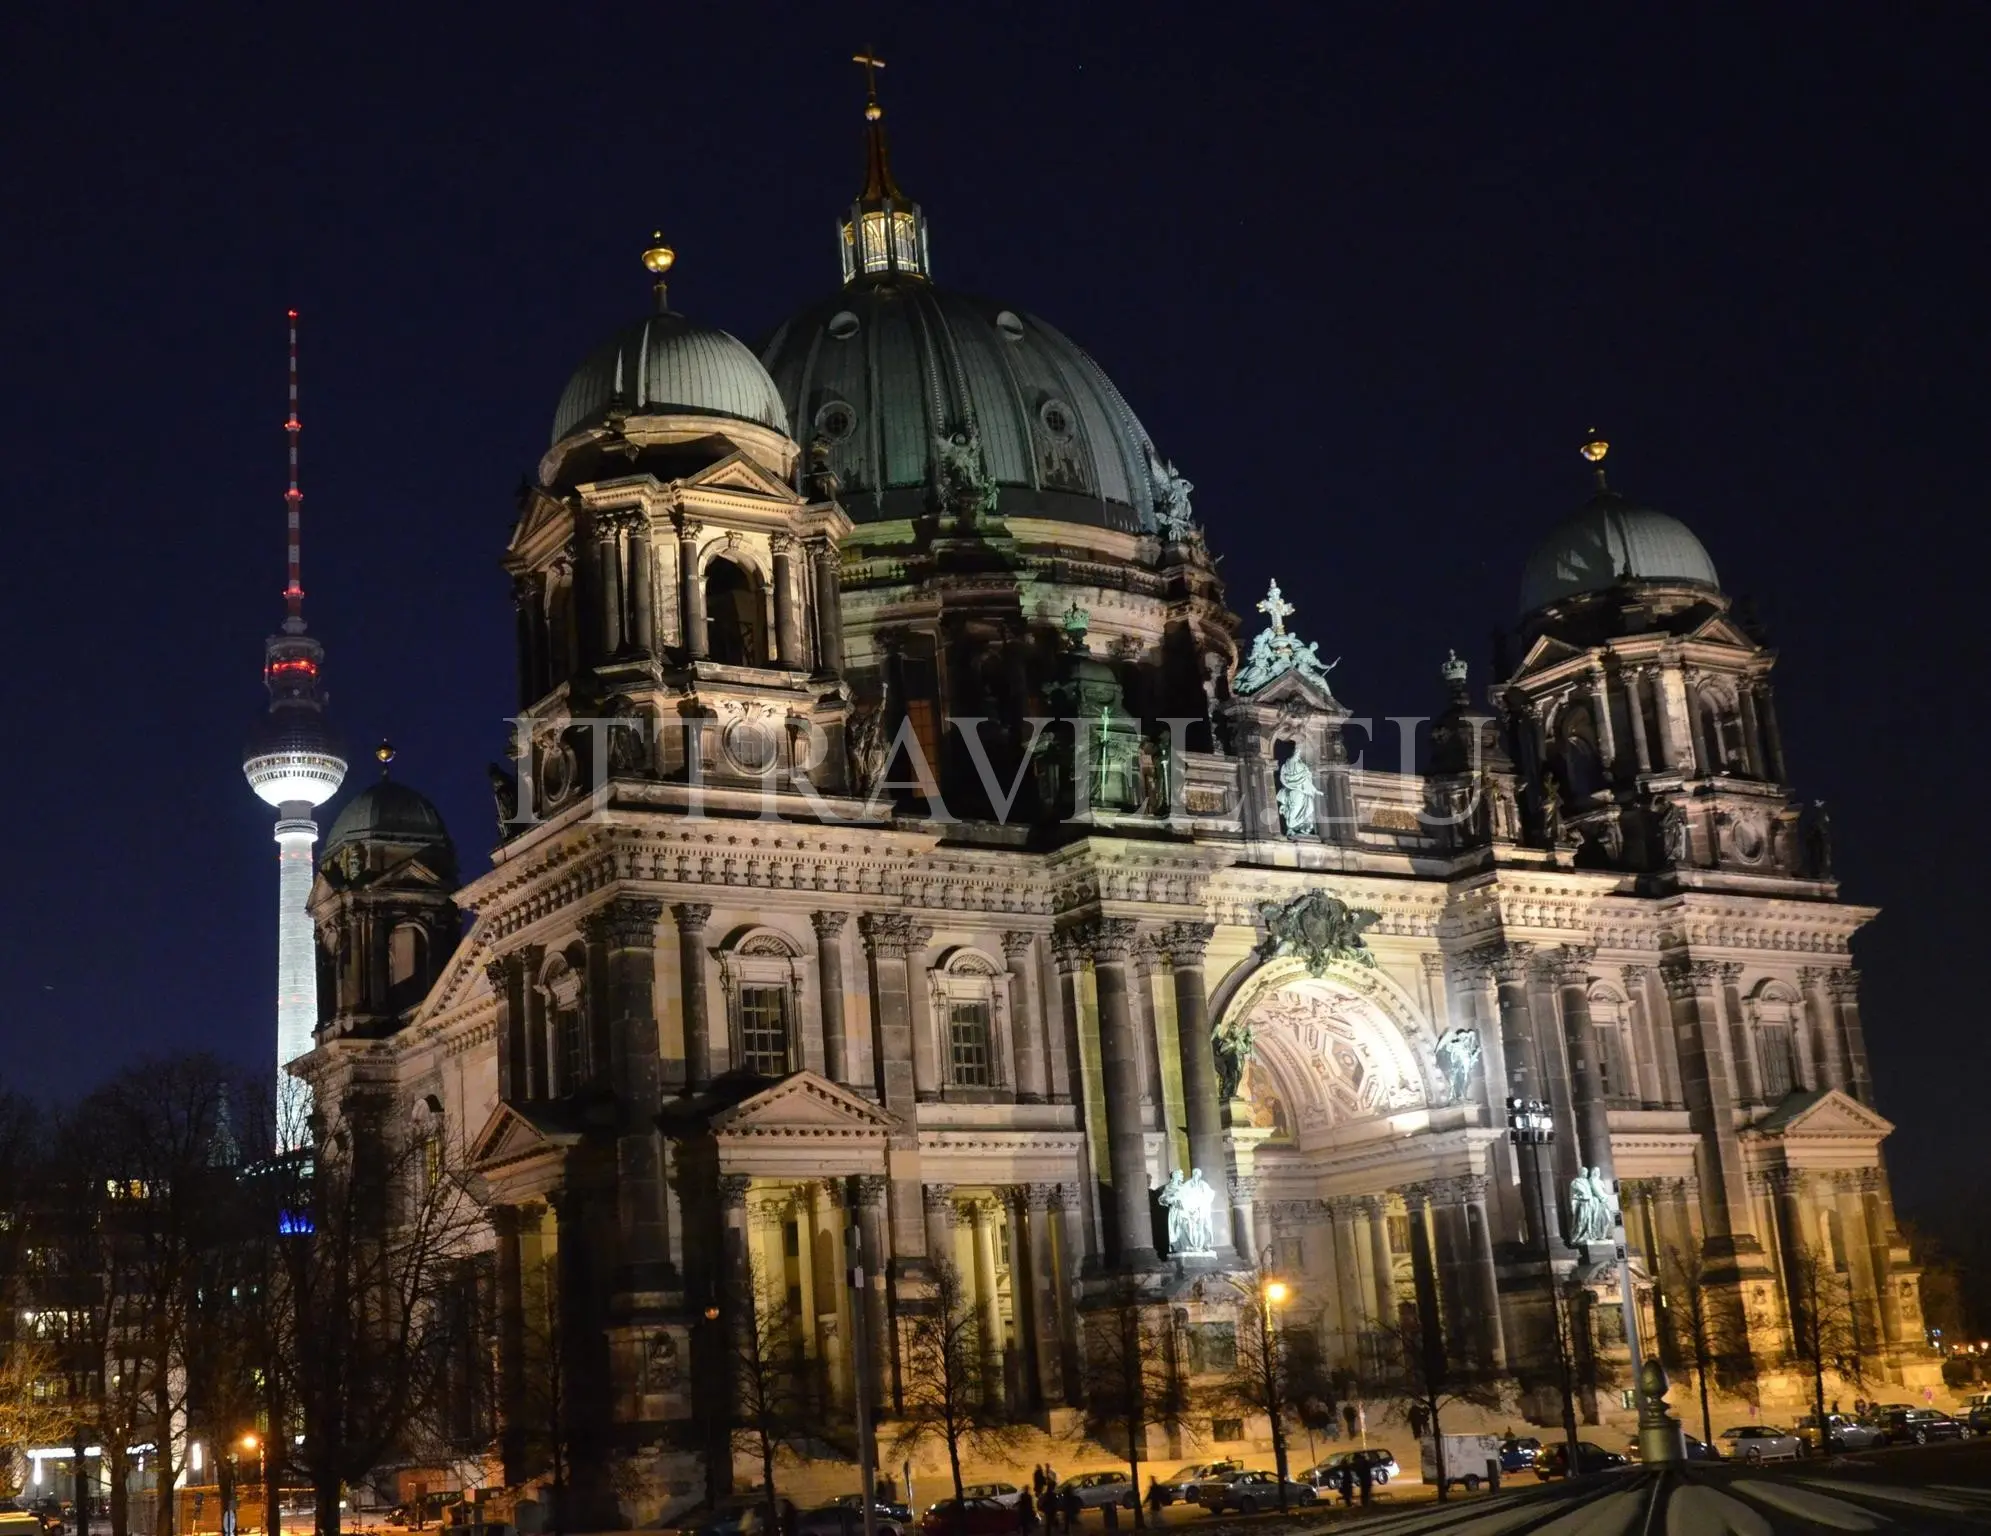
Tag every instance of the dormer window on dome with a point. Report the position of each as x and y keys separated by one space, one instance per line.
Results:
x=885 y=235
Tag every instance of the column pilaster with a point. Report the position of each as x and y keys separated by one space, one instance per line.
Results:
x=1026 y=1014
x=1187 y=944
x=691 y=918
x=1109 y=941
x=829 y=928
x=1709 y=1094
x=691 y=589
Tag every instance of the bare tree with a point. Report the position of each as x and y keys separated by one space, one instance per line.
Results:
x=1427 y=1376
x=946 y=1397
x=1270 y=1375
x=1824 y=1331
x=770 y=1403
x=366 y=1250
x=1701 y=1328
x=1133 y=1380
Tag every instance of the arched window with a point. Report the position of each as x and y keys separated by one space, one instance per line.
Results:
x=735 y=627
x=1773 y=1012
x=1579 y=764
x=563 y=1002
x=970 y=996
x=1616 y=1061
x=763 y=971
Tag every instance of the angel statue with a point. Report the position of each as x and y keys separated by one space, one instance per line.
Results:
x=1458 y=1053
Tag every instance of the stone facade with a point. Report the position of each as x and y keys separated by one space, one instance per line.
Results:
x=766 y=982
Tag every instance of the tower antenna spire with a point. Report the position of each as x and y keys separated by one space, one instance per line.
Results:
x=293 y=503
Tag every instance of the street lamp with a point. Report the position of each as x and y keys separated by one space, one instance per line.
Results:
x=1530 y=1127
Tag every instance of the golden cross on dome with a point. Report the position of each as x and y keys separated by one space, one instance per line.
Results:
x=872 y=64
x=1275 y=607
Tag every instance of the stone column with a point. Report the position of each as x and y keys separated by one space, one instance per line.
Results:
x=875 y=1257
x=1069 y=956
x=692 y=917
x=1651 y=1084
x=513 y=1428
x=828 y=606
x=627 y=930
x=1673 y=711
x=1244 y=1212
x=529 y=611
x=1510 y=964
x=1571 y=969
x=1635 y=698
x=1026 y=1018
x=1110 y=942
x=1741 y=1048
x=1822 y=1024
x=1147 y=1038
x=691 y=589
x=538 y=1051
x=1382 y=1262
x=1752 y=741
x=608 y=561
x=787 y=633
x=1843 y=987
x=889 y=936
x=1347 y=1276
x=507 y=982
x=1600 y=706
x=988 y=1304
x=829 y=991
x=942 y=1217
x=1773 y=740
x=1705 y=762
x=1710 y=1097
x=1485 y=1276
x=1187 y=943
x=642 y=639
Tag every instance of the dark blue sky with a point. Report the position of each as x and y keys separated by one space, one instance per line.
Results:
x=1365 y=274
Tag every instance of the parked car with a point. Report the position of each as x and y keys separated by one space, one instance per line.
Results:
x=974 y=1517
x=842 y=1519
x=1916 y=1426
x=1842 y=1432
x=1761 y=1442
x=1249 y=1492
x=898 y=1514
x=1382 y=1467
x=740 y=1514
x=1978 y=1420
x=1006 y=1494
x=1553 y=1460
x=1181 y=1484
x=1095 y=1489
x=1518 y=1452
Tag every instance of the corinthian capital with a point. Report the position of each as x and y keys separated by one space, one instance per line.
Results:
x=692 y=916
x=1107 y=939
x=1187 y=943
x=890 y=934
x=1508 y=962
x=628 y=922
x=1569 y=964
x=828 y=925
x=1843 y=985
x=1689 y=978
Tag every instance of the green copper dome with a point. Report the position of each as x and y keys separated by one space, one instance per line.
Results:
x=882 y=371
x=388 y=811
x=1610 y=541
x=666 y=364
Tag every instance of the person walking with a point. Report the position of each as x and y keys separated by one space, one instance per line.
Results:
x=1346 y=1478
x=1157 y=1498
x=1071 y=1504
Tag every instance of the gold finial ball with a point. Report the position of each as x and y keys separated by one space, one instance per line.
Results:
x=659 y=258
x=872 y=112
x=384 y=753
x=1595 y=449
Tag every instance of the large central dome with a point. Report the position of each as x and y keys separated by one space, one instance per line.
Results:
x=888 y=370
x=883 y=371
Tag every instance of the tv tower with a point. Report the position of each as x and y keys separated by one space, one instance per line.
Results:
x=293 y=762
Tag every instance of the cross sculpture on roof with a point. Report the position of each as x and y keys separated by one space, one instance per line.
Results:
x=872 y=64
x=1275 y=607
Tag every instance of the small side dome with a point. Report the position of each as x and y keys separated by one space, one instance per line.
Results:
x=390 y=812
x=665 y=364
x=1610 y=541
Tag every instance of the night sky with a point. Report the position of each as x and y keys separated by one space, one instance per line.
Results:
x=1365 y=275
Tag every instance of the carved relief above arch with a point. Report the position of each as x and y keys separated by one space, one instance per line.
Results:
x=1330 y=1052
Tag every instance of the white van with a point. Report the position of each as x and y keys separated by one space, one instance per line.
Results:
x=1470 y=1460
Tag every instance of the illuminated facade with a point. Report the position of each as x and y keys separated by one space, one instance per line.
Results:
x=772 y=951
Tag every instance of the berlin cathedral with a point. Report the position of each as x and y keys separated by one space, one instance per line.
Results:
x=906 y=848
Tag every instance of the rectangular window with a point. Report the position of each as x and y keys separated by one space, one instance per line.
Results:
x=1399 y=1234
x=968 y=1043
x=1226 y=1429
x=1775 y=1043
x=764 y=1031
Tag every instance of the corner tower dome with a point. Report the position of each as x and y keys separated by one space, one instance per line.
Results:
x=1611 y=541
x=667 y=364
x=883 y=373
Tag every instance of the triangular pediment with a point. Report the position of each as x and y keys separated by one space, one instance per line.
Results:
x=1546 y=652
x=1723 y=630
x=737 y=472
x=511 y=1134
x=1293 y=690
x=803 y=1104
x=1825 y=1114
